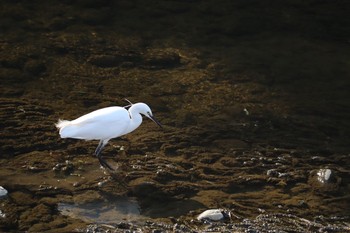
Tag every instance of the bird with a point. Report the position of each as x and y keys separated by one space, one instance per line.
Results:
x=104 y=124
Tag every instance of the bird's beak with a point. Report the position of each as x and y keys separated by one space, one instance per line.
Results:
x=154 y=120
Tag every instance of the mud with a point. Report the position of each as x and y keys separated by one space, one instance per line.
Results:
x=254 y=99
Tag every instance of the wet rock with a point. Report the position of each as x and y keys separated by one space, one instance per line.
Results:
x=105 y=61
x=59 y=23
x=8 y=216
x=143 y=188
x=65 y=168
x=272 y=173
x=227 y=144
x=3 y=192
x=13 y=61
x=285 y=175
x=34 y=67
x=124 y=225
x=22 y=198
x=182 y=118
x=87 y=197
x=40 y=213
x=214 y=215
x=2 y=215
x=92 y=16
x=12 y=75
x=169 y=149
x=303 y=204
x=160 y=59
x=181 y=228
x=94 y=228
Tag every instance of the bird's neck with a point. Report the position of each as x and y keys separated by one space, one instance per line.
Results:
x=135 y=119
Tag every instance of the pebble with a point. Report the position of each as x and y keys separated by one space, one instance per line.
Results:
x=273 y=173
x=3 y=192
x=325 y=180
x=324 y=175
x=214 y=215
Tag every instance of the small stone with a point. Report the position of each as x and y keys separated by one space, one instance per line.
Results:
x=272 y=172
x=65 y=168
x=302 y=203
x=283 y=175
x=325 y=180
x=324 y=175
x=2 y=215
x=246 y=111
x=214 y=215
x=3 y=192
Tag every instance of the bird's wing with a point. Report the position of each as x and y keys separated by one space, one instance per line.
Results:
x=101 y=124
x=110 y=114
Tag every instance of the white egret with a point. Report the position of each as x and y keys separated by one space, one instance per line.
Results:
x=105 y=124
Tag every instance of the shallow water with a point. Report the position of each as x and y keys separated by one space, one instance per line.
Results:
x=115 y=210
x=253 y=98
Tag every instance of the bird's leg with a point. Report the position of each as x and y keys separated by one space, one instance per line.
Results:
x=104 y=163
x=99 y=147
x=98 y=154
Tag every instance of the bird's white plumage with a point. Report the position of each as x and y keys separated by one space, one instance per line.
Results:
x=105 y=124
x=101 y=124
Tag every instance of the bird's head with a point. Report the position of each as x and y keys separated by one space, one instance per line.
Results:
x=145 y=110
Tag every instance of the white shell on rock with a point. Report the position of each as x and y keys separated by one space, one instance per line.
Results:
x=214 y=215
x=3 y=192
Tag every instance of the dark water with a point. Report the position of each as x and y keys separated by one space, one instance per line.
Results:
x=253 y=95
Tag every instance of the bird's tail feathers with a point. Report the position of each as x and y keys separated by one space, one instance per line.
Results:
x=62 y=123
